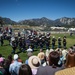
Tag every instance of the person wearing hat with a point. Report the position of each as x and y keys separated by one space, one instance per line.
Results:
x=14 y=67
x=70 y=60
x=34 y=62
x=52 y=67
x=41 y=55
x=68 y=71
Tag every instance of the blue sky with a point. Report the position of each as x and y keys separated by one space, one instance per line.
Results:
x=27 y=9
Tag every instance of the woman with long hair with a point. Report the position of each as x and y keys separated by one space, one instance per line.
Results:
x=25 y=70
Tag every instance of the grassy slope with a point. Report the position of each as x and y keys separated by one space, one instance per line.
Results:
x=6 y=49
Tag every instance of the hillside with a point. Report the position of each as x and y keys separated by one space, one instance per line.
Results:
x=64 y=21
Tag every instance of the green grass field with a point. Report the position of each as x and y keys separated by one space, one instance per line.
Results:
x=6 y=49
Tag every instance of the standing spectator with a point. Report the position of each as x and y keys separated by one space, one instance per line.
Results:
x=10 y=58
x=6 y=66
x=41 y=56
x=70 y=60
x=64 y=54
x=74 y=47
x=25 y=70
x=29 y=54
x=34 y=62
x=70 y=65
x=52 y=67
x=14 y=67
x=2 y=70
x=68 y=71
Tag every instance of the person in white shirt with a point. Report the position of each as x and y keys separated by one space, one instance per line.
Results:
x=29 y=49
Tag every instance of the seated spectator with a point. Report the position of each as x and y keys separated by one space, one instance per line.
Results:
x=34 y=62
x=25 y=70
x=14 y=67
x=52 y=67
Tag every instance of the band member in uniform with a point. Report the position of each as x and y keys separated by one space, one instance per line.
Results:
x=13 y=46
x=23 y=44
x=20 y=44
x=53 y=42
x=59 y=42
x=1 y=39
x=64 y=42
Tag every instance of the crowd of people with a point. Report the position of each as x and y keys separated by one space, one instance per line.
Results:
x=52 y=61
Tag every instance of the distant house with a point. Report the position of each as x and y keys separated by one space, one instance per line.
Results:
x=58 y=28
x=71 y=30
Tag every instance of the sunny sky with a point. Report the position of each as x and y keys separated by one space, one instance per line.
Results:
x=27 y=9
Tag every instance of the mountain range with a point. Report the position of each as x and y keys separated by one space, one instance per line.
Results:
x=41 y=21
